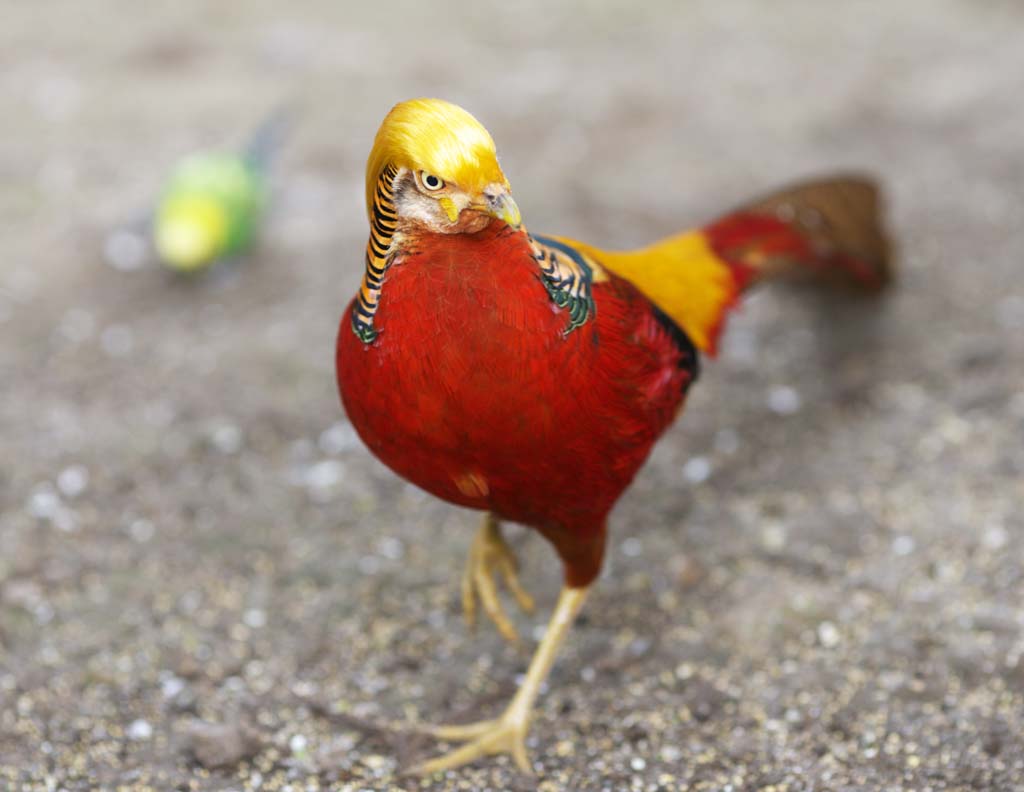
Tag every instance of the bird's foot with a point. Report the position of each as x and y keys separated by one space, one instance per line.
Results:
x=489 y=555
x=506 y=735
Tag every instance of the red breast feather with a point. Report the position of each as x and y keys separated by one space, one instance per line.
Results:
x=474 y=392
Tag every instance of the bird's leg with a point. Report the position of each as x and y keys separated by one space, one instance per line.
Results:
x=507 y=734
x=489 y=555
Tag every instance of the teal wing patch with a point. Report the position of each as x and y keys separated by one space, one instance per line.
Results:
x=568 y=277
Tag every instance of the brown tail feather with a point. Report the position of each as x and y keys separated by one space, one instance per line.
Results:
x=840 y=219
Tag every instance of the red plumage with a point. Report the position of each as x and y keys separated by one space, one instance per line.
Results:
x=757 y=244
x=474 y=391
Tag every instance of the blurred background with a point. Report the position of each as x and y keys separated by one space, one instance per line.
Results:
x=207 y=583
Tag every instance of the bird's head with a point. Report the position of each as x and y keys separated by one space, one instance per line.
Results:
x=189 y=231
x=448 y=178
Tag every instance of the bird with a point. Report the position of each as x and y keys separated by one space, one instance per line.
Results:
x=212 y=203
x=528 y=376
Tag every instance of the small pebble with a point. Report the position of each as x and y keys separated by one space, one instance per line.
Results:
x=378 y=763
x=171 y=686
x=828 y=635
x=631 y=547
x=73 y=480
x=338 y=438
x=43 y=612
x=784 y=400
x=139 y=730
x=903 y=545
x=141 y=530
x=391 y=548
x=220 y=745
x=697 y=469
x=995 y=537
x=298 y=744
x=227 y=438
x=321 y=478
x=639 y=647
x=773 y=536
x=44 y=502
x=125 y=250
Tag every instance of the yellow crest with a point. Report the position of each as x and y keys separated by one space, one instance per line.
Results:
x=437 y=137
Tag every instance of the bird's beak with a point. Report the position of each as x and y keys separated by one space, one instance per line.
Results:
x=498 y=203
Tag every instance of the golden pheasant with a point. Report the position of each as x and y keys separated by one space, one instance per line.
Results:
x=528 y=376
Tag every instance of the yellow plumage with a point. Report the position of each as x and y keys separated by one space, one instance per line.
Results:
x=189 y=231
x=438 y=137
x=681 y=275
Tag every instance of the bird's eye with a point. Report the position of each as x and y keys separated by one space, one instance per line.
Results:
x=430 y=181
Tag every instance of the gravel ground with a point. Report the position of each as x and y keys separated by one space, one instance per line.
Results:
x=207 y=583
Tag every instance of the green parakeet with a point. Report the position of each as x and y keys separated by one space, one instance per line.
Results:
x=212 y=204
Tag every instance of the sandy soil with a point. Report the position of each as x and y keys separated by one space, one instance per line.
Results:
x=207 y=583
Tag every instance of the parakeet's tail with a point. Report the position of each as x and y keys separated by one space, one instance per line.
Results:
x=829 y=229
x=266 y=141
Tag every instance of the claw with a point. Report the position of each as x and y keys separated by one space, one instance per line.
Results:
x=489 y=599
x=511 y=573
x=468 y=599
x=490 y=554
x=460 y=732
x=505 y=735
